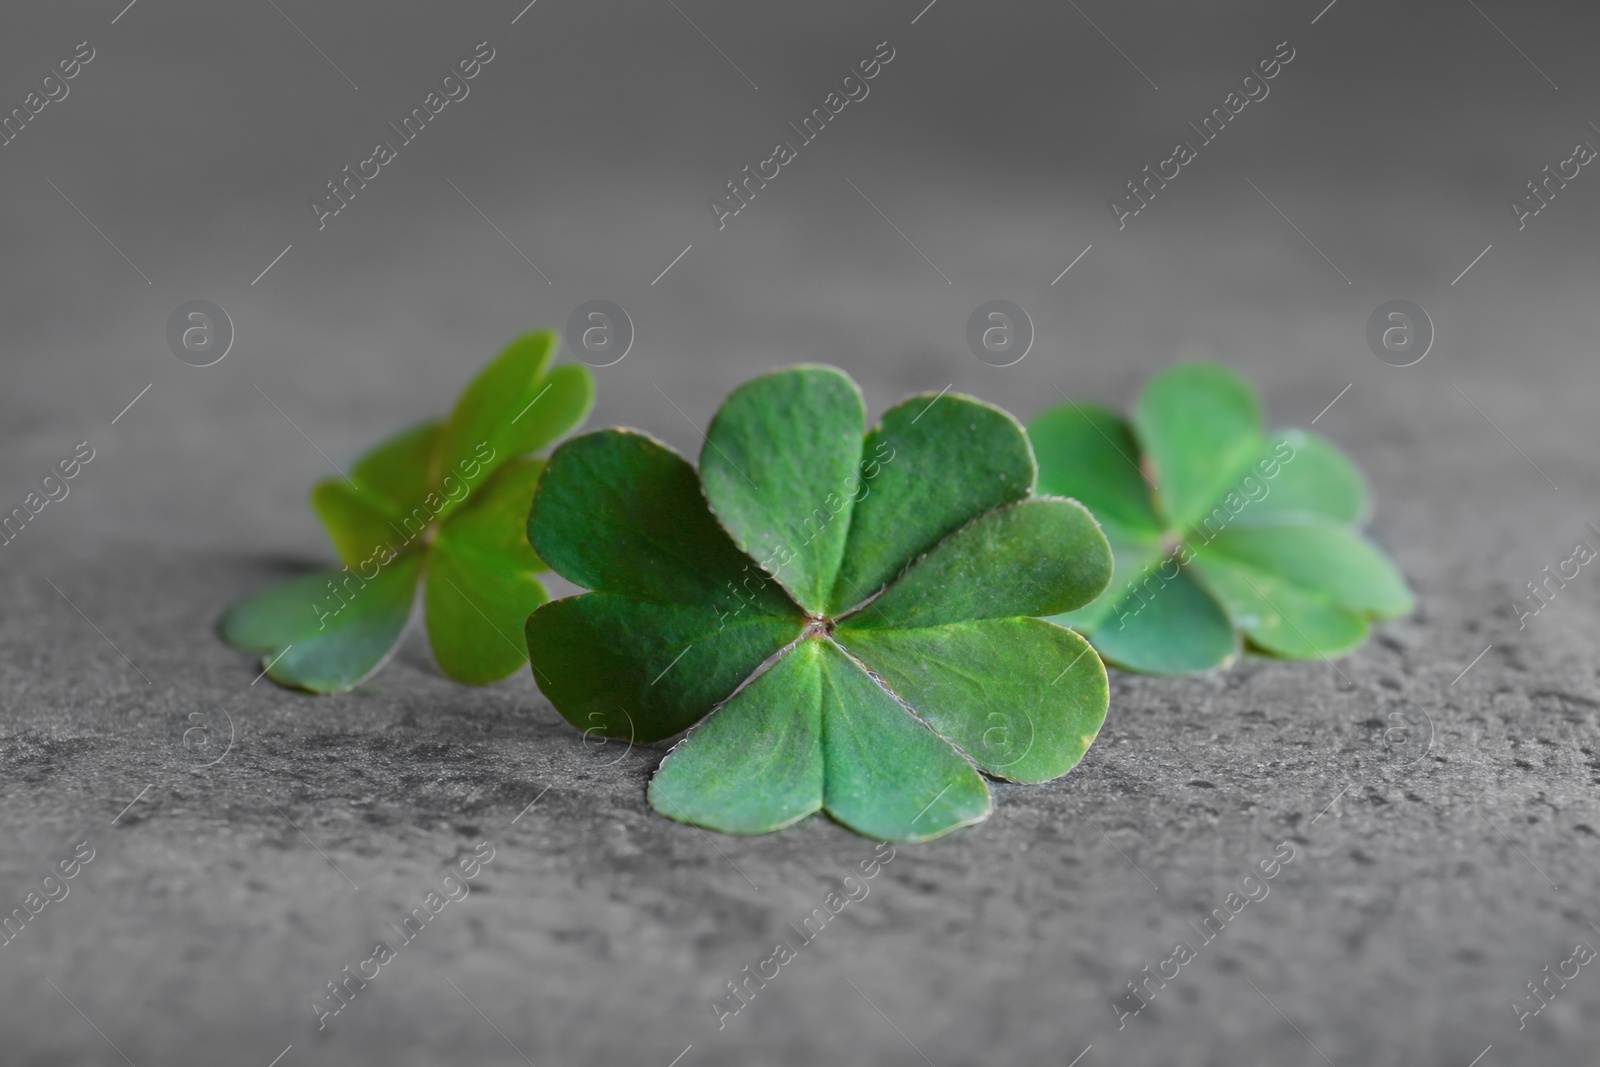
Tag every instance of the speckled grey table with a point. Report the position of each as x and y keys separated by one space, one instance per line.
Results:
x=249 y=844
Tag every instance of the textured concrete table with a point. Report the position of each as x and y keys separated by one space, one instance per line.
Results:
x=1435 y=790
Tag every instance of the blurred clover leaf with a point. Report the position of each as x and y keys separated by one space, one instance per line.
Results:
x=443 y=501
x=1218 y=528
x=850 y=613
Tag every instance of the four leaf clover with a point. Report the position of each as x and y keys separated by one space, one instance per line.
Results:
x=853 y=615
x=1217 y=527
x=445 y=500
x=862 y=623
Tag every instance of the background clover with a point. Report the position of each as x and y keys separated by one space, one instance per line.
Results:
x=446 y=501
x=1218 y=528
x=855 y=606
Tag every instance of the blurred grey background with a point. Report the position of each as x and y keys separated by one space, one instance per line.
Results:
x=1429 y=886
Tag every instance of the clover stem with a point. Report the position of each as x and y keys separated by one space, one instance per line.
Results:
x=817 y=626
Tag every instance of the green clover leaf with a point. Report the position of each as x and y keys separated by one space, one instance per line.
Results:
x=1218 y=528
x=442 y=502
x=851 y=614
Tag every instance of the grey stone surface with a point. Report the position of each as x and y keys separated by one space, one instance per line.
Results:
x=222 y=898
